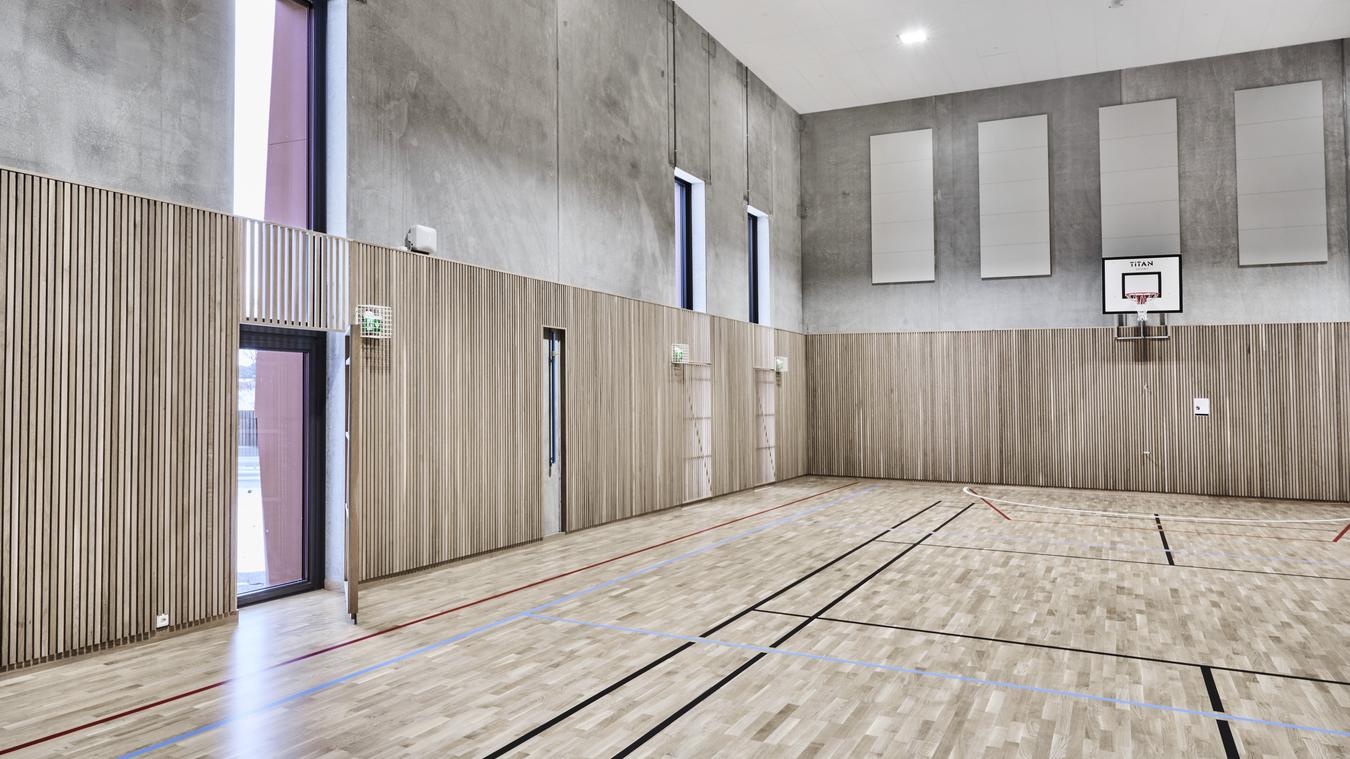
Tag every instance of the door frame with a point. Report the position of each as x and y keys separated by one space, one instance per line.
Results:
x=561 y=335
x=314 y=346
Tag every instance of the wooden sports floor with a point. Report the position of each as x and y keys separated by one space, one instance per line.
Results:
x=844 y=618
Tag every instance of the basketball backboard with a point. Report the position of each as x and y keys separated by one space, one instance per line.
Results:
x=1154 y=279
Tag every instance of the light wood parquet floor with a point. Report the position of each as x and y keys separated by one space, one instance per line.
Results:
x=880 y=619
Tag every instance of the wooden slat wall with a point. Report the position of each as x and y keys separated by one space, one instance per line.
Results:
x=117 y=410
x=118 y=421
x=766 y=405
x=447 y=415
x=733 y=401
x=1074 y=408
x=791 y=399
x=626 y=405
x=293 y=277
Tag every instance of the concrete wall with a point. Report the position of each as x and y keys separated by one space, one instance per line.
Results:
x=452 y=123
x=538 y=137
x=836 y=250
x=134 y=96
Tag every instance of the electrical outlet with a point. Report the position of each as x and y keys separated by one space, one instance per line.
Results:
x=161 y=621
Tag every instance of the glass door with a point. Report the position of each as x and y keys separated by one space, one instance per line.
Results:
x=278 y=519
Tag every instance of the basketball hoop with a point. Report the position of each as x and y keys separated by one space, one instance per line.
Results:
x=1141 y=300
x=1149 y=287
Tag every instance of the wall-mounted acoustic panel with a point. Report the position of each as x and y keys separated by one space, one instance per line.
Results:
x=1281 y=173
x=902 y=207
x=1015 y=197
x=1141 y=213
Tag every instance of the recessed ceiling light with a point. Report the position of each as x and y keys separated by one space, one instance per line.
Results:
x=914 y=36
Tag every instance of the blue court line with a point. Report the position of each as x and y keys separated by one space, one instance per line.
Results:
x=942 y=675
x=489 y=626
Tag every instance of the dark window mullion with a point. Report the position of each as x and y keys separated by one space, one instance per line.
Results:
x=752 y=236
x=684 y=241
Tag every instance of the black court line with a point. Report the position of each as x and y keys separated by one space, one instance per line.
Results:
x=1068 y=649
x=1121 y=561
x=1230 y=748
x=649 y=666
x=1282 y=538
x=1263 y=526
x=1163 y=535
x=683 y=710
x=1194 y=518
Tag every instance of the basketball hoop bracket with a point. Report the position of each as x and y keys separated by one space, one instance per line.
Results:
x=1135 y=286
x=1139 y=330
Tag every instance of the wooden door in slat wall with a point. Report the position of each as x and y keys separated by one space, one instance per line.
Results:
x=697 y=378
x=629 y=406
x=766 y=404
x=445 y=465
x=626 y=406
x=733 y=400
x=117 y=410
x=1075 y=408
x=791 y=423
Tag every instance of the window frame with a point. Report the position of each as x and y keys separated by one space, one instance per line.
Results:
x=758 y=255
x=691 y=279
x=684 y=240
x=318 y=113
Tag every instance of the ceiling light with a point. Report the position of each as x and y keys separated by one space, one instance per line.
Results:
x=914 y=36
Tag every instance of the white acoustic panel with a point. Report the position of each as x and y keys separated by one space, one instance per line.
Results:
x=1015 y=197
x=1281 y=173
x=902 y=207
x=1140 y=197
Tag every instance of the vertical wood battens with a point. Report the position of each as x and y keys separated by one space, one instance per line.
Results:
x=292 y=277
x=118 y=406
x=117 y=479
x=447 y=419
x=1075 y=408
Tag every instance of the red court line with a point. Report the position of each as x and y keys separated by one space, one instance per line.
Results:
x=409 y=623
x=991 y=505
x=1338 y=537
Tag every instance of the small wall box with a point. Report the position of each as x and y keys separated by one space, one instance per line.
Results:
x=375 y=322
x=780 y=364
x=679 y=353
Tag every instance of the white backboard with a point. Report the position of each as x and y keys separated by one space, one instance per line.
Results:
x=1160 y=274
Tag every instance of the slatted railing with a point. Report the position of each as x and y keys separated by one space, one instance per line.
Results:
x=293 y=277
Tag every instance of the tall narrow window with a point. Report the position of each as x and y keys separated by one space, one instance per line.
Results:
x=277 y=113
x=758 y=257
x=690 y=246
x=684 y=241
x=752 y=235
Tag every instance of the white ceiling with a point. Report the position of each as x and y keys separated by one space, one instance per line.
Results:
x=824 y=54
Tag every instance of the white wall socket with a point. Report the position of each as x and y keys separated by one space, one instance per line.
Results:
x=1202 y=407
x=161 y=621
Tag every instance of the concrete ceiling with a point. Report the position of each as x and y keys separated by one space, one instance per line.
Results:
x=824 y=54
